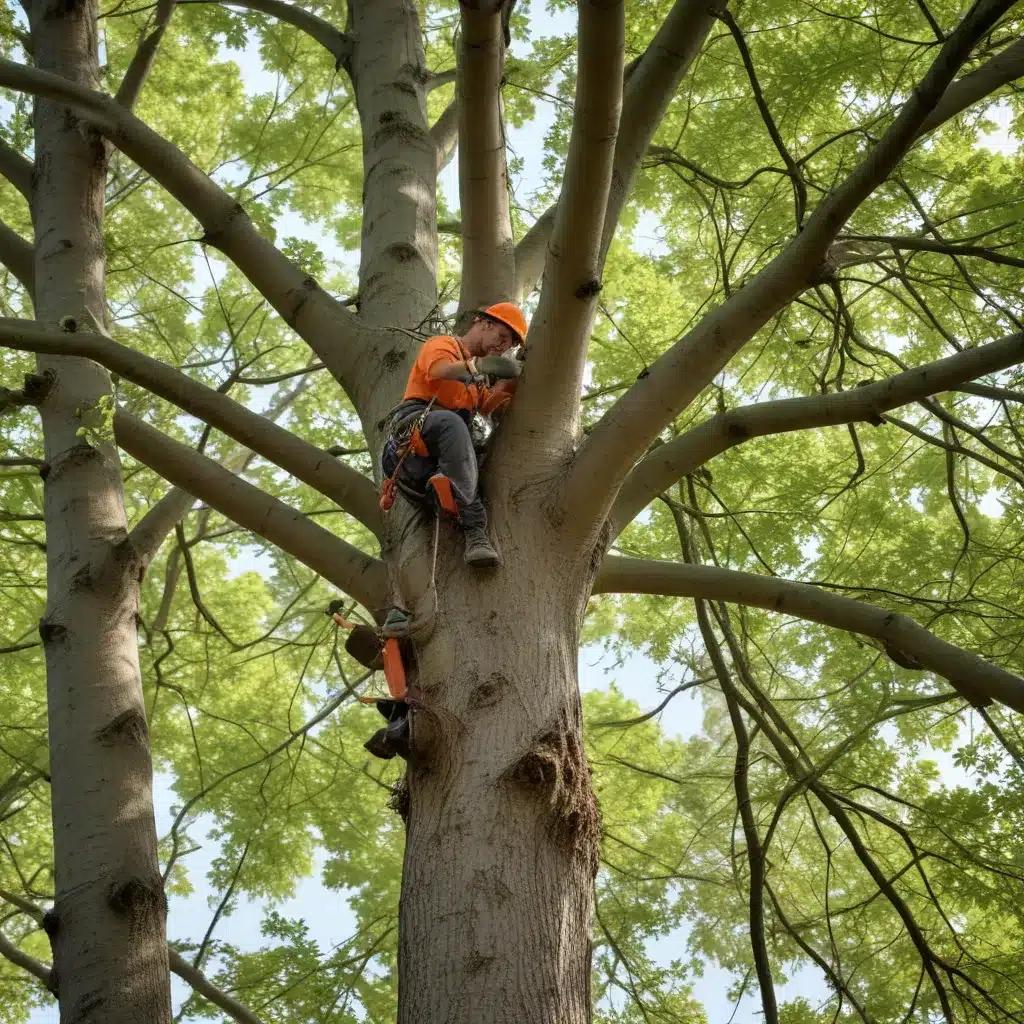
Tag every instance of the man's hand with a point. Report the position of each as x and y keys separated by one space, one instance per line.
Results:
x=501 y=367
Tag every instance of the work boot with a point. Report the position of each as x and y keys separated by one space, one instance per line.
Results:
x=391 y=740
x=480 y=553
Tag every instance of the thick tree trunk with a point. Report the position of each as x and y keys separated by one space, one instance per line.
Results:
x=502 y=825
x=107 y=923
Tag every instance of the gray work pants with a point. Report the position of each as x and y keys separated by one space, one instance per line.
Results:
x=448 y=440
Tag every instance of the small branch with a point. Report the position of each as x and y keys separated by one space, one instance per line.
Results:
x=336 y=42
x=530 y=254
x=487 y=249
x=333 y=558
x=906 y=642
x=349 y=489
x=142 y=62
x=799 y=189
x=682 y=455
x=17 y=254
x=947 y=248
x=201 y=984
x=17 y=169
x=435 y=81
x=444 y=133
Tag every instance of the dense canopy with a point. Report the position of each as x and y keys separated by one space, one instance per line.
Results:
x=788 y=789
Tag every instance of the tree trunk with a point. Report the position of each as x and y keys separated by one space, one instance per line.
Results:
x=107 y=926
x=502 y=824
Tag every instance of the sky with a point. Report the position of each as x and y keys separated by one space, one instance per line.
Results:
x=326 y=911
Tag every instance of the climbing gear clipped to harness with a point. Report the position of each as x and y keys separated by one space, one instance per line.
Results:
x=409 y=440
x=372 y=651
x=375 y=651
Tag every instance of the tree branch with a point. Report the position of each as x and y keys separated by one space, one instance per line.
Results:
x=444 y=133
x=799 y=189
x=336 y=42
x=978 y=680
x=487 y=249
x=650 y=87
x=142 y=62
x=946 y=248
x=151 y=531
x=682 y=455
x=350 y=490
x=16 y=169
x=1006 y=66
x=17 y=254
x=323 y=322
x=345 y=566
x=548 y=401
x=530 y=253
x=179 y=965
x=21 y=959
x=201 y=984
x=650 y=83
x=679 y=375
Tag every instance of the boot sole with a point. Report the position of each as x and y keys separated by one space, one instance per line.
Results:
x=483 y=561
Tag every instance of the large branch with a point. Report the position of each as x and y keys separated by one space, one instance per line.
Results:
x=548 y=402
x=531 y=252
x=682 y=372
x=323 y=322
x=350 y=490
x=488 y=267
x=336 y=42
x=151 y=531
x=17 y=956
x=1006 y=66
x=651 y=86
x=345 y=566
x=978 y=680
x=682 y=455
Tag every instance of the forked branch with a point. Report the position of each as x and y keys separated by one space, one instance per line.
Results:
x=679 y=375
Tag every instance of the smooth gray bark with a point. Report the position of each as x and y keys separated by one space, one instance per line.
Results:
x=106 y=874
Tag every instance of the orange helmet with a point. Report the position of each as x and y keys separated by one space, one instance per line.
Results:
x=510 y=315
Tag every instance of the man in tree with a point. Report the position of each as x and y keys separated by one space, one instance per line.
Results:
x=429 y=445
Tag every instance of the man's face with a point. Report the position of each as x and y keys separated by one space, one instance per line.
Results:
x=490 y=338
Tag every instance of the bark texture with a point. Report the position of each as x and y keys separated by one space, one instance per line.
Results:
x=502 y=825
x=105 y=852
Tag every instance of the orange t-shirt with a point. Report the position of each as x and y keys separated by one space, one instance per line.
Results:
x=451 y=394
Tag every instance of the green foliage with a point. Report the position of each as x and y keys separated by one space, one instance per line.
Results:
x=238 y=658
